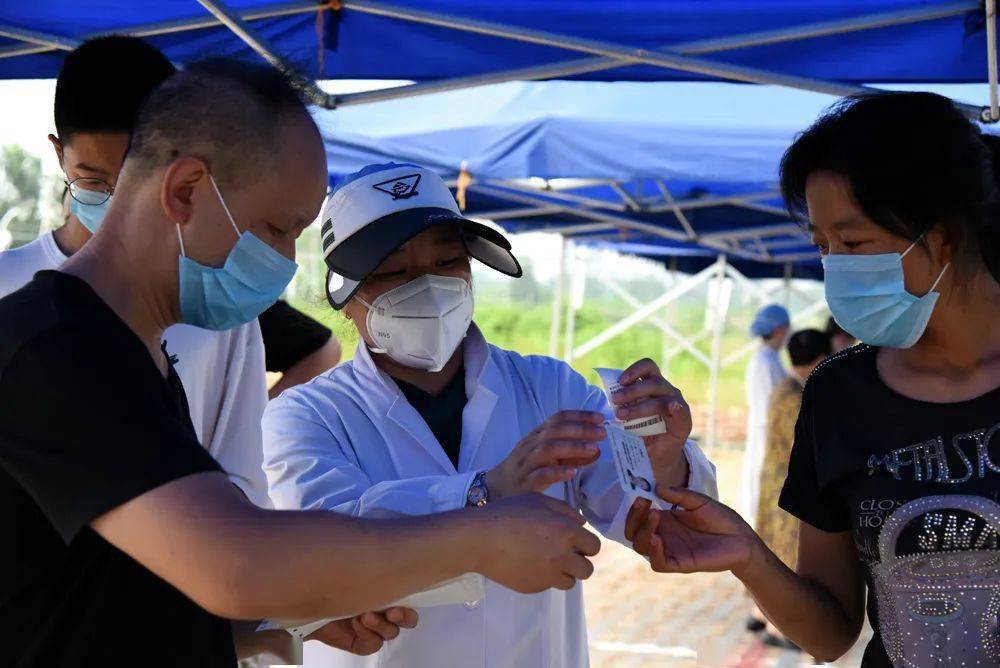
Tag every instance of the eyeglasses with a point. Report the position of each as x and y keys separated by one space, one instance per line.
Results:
x=90 y=190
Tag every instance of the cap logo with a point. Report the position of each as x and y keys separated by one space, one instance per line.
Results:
x=402 y=188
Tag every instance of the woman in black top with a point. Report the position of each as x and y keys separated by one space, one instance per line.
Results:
x=895 y=471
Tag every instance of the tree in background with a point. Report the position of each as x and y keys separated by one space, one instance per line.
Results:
x=20 y=188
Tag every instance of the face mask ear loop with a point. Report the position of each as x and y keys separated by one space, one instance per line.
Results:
x=180 y=239
x=370 y=308
x=940 y=276
x=225 y=208
x=915 y=242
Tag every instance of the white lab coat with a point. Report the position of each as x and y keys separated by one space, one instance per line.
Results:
x=349 y=441
x=764 y=372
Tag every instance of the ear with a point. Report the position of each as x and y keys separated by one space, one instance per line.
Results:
x=177 y=190
x=58 y=146
x=940 y=245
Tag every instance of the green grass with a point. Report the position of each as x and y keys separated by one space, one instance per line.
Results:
x=526 y=330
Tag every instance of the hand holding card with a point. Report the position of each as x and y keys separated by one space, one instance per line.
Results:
x=647 y=405
x=640 y=426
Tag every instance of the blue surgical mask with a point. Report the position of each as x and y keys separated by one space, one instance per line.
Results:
x=868 y=298
x=90 y=215
x=252 y=279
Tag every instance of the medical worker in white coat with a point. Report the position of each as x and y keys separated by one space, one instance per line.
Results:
x=429 y=417
x=764 y=372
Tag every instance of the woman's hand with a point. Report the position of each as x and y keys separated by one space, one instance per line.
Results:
x=551 y=454
x=700 y=535
x=365 y=634
x=646 y=393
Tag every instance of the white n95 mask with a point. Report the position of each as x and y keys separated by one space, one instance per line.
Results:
x=420 y=324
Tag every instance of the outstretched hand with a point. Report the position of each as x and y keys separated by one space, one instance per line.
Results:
x=698 y=535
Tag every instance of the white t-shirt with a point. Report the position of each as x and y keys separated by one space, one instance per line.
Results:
x=222 y=372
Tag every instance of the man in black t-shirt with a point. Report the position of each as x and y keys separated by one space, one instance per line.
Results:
x=119 y=524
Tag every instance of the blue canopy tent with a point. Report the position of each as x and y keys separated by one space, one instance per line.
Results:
x=833 y=47
x=827 y=46
x=658 y=170
x=830 y=46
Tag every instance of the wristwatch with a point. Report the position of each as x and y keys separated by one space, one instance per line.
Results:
x=479 y=493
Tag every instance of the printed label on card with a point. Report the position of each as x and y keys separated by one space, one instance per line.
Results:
x=643 y=426
x=635 y=473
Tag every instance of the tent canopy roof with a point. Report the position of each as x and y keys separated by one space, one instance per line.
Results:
x=417 y=39
x=646 y=150
x=604 y=162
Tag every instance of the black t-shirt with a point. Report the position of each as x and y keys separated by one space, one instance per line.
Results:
x=917 y=485
x=289 y=335
x=442 y=412
x=87 y=423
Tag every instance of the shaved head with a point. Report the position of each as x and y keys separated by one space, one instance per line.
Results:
x=228 y=113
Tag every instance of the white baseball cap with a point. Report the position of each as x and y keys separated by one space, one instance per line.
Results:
x=378 y=209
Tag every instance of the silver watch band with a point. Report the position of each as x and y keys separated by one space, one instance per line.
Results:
x=479 y=493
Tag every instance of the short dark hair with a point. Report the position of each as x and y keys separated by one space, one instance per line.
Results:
x=227 y=112
x=912 y=161
x=103 y=82
x=808 y=345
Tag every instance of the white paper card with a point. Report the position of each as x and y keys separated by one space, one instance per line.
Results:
x=635 y=473
x=467 y=588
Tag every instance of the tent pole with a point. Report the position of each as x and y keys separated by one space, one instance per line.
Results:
x=660 y=321
x=581 y=211
x=677 y=210
x=39 y=38
x=179 y=25
x=557 y=301
x=562 y=195
x=719 y=324
x=689 y=341
x=695 y=203
x=788 y=285
x=571 y=302
x=241 y=29
x=646 y=311
x=762 y=231
x=991 y=57
x=701 y=202
x=566 y=68
x=625 y=53
x=619 y=221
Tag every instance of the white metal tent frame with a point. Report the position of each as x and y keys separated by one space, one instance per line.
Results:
x=763 y=244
